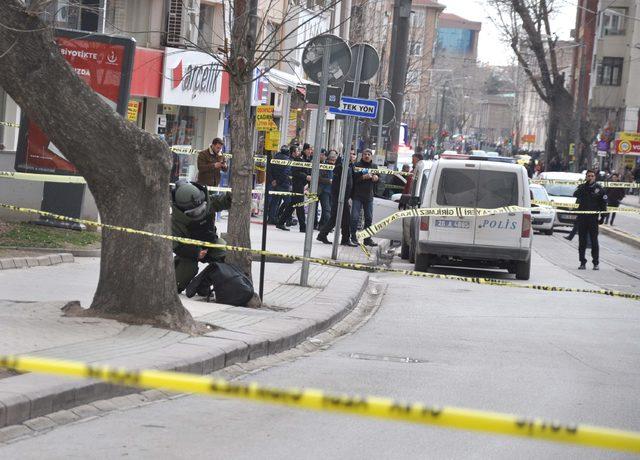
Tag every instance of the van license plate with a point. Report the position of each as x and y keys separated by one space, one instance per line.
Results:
x=453 y=223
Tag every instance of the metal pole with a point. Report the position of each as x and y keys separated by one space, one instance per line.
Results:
x=441 y=128
x=265 y=214
x=315 y=170
x=346 y=156
x=398 y=65
x=379 y=146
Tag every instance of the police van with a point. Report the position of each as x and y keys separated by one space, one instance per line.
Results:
x=499 y=240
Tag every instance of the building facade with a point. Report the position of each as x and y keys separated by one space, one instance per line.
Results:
x=458 y=37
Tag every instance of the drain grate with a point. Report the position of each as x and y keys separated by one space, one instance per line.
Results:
x=390 y=359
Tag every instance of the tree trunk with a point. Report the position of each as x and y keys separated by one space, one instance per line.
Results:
x=240 y=67
x=559 y=124
x=126 y=169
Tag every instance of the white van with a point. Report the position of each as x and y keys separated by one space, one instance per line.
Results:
x=500 y=240
x=562 y=194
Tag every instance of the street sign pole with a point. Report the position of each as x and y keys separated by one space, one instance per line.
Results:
x=346 y=156
x=265 y=216
x=380 y=115
x=315 y=170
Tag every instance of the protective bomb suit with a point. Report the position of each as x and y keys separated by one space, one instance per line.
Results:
x=193 y=211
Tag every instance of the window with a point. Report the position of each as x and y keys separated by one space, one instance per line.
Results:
x=610 y=71
x=205 y=26
x=270 y=44
x=613 y=21
x=481 y=189
x=415 y=48
x=418 y=18
x=78 y=14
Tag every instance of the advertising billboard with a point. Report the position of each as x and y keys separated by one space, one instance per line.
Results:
x=105 y=64
x=191 y=78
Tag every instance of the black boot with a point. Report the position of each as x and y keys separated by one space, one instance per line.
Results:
x=282 y=227
x=369 y=242
x=347 y=242
x=322 y=237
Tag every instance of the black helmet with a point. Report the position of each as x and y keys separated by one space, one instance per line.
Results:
x=191 y=200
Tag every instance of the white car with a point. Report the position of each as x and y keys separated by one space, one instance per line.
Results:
x=562 y=194
x=543 y=216
x=500 y=240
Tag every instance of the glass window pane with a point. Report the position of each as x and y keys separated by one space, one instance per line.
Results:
x=457 y=188
x=496 y=189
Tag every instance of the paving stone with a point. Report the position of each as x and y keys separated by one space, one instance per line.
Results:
x=6 y=264
x=40 y=423
x=105 y=405
x=85 y=410
x=55 y=259
x=14 y=431
x=20 y=262
x=62 y=417
x=154 y=395
x=67 y=258
x=43 y=261
x=32 y=262
x=16 y=408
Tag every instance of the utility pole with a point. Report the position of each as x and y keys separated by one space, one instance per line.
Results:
x=441 y=127
x=577 y=146
x=398 y=63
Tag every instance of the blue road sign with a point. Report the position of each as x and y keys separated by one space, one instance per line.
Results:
x=356 y=107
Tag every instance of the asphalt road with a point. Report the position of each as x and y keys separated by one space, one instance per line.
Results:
x=558 y=356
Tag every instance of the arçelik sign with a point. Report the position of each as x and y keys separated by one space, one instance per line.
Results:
x=191 y=78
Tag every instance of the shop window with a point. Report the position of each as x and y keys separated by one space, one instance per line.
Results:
x=610 y=71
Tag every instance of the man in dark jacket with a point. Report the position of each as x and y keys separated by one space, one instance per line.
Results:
x=346 y=213
x=280 y=181
x=324 y=186
x=362 y=195
x=614 y=197
x=192 y=216
x=211 y=162
x=298 y=181
x=591 y=197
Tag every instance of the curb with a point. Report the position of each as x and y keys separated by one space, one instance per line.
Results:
x=74 y=252
x=39 y=261
x=28 y=396
x=620 y=235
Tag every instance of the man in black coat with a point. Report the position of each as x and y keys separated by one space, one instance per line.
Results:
x=346 y=212
x=362 y=195
x=591 y=197
x=298 y=182
x=280 y=181
x=614 y=197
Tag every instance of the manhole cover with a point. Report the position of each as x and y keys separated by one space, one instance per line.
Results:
x=390 y=359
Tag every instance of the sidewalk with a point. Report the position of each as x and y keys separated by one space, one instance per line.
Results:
x=626 y=227
x=31 y=322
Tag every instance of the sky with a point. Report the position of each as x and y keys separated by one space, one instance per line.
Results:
x=491 y=49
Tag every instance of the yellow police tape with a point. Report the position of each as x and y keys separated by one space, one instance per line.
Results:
x=318 y=400
x=6 y=123
x=566 y=208
x=465 y=212
x=327 y=262
x=607 y=184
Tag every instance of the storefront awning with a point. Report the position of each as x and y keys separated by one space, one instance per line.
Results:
x=283 y=80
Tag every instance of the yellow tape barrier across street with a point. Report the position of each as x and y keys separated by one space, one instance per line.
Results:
x=318 y=400
x=331 y=263
x=578 y=182
x=6 y=123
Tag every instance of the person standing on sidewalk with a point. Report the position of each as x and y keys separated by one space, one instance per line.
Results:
x=614 y=197
x=591 y=197
x=298 y=181
x=362 y=196
x=210 y=162
x=346 y=212
x=280 y=181
x=324 y=188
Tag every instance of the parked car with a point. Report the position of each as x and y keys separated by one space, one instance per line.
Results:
x=500 y=240
x=562 y=194
x=542 y=216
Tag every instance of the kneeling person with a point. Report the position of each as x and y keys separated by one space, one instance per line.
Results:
x=193 y=212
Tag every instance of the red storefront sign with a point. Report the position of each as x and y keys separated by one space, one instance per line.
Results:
x=627 y=147
x=105 y=64
x=147 y=73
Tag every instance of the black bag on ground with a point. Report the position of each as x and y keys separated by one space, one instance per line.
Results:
x=230 y=284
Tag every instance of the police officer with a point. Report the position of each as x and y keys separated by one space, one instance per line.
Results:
x=591 y=197
x=193 y=211
x=299 y=176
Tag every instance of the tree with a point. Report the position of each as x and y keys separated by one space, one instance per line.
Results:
x=126 y=169
x=525 y=25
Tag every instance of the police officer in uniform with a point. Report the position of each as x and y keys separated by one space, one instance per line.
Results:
x=193 y=211
x=591 y=197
